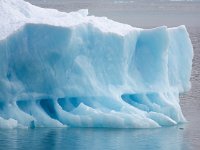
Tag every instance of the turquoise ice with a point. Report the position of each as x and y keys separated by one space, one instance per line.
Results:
x=74 y=70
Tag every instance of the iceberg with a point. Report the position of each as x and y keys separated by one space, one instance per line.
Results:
x=72 y=69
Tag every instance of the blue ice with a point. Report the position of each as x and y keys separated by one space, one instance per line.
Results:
x=85 y=74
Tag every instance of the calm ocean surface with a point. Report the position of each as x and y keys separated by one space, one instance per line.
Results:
x=140 y=14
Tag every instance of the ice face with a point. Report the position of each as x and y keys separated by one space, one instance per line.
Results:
x=70 y=69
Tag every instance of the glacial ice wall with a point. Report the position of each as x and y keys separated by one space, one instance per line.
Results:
x=70 y=69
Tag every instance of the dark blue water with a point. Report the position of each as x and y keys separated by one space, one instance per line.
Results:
x=140 y=14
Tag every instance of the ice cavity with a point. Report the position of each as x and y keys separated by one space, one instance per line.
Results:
x=69 y=69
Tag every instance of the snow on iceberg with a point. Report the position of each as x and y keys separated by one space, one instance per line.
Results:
x=70 y=69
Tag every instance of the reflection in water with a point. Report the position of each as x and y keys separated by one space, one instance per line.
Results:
x=93 y=138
